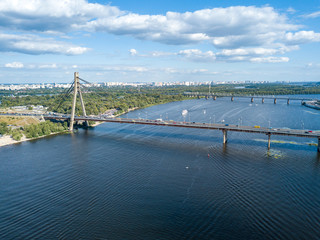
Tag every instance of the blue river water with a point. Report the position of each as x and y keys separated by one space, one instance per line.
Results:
x=120 y=181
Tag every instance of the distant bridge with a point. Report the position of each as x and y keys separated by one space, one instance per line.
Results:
x=214 y=96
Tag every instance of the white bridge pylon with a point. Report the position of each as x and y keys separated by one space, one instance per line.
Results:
x=76 y=90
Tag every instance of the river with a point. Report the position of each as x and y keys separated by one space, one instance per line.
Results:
x=120 y=181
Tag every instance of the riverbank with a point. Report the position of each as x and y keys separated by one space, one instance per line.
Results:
x=312 y=104
x=8 y=140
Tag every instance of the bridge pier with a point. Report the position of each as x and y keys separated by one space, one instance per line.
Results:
x=262 y=100
x=269 y=141
x=275 y=101
x=225 y=139
x=252 y=99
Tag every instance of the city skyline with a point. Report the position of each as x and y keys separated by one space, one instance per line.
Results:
x=122 y=41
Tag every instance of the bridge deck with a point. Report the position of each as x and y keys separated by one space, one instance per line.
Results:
x=171 y=123
x=223 y=127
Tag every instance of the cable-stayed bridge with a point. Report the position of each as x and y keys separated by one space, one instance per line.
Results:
x=225 y=128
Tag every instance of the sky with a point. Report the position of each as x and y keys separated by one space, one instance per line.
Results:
x=46 y=41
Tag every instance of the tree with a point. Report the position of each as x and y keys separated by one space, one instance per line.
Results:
x=3 y=128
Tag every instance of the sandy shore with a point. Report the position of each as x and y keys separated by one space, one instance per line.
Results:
x=8 y=140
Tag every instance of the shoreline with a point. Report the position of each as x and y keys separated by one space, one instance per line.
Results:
x=312 y=104
x=8 y=140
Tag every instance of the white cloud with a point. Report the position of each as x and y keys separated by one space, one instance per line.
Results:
x=32 y=44
x=248 y=51
x=202 y=70
x=247 y=40
x=291 y=10
x=252 y=52
x=302 y=37
x=171 y=28
x=312 y=15
x=14 y=65
x=266 y=55
x=270 y=59
x=51 y=15
x=258 y=55
x=186 y=71
x=197 y=55
x=126 y=68
x=230 y=28
x=133 y=52
x=161 y=54
x=48 y=66
x=313 y=65
x=192 y=27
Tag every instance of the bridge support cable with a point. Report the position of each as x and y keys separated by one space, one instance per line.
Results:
x=65 y=95
x=92 y=85
x=76 y=90
x=85 y=81
x=82 y=106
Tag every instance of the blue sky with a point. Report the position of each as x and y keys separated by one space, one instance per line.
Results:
x=149 y=41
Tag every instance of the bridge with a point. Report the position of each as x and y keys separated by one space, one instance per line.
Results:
x=224 y=128
x=214 y=96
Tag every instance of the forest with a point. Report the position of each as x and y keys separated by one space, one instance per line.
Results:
x=33 y=130
x=96 y=101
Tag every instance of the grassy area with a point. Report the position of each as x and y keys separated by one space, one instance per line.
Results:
x=19 y=120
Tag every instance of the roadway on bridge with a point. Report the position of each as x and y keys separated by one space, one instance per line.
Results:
x=171 y=123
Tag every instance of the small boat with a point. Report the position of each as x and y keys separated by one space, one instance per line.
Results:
x=184 y=112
